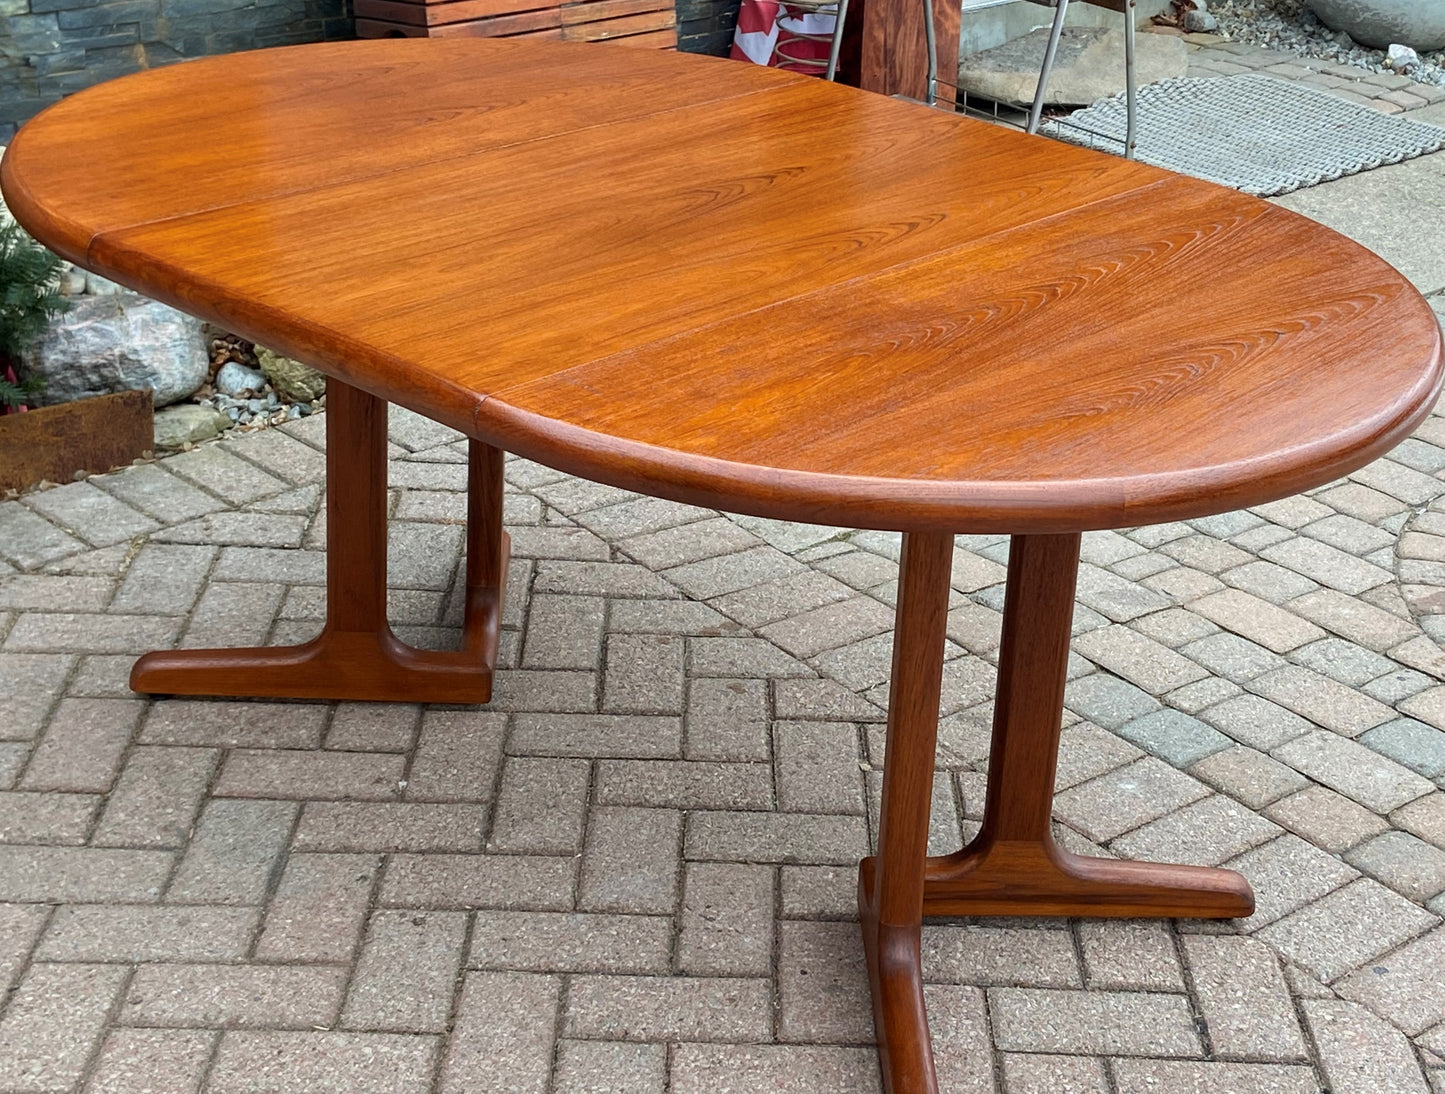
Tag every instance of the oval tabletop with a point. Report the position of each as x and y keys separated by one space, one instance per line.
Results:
x=741 y=287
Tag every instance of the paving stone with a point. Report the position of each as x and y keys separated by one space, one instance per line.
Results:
x=1358 y=1052
x=404 y=977
x=1086 y=751
x=1347 y=928
x=82 y=875
x=1427 y=705
x=1249 y=776
x=637 y=516
x=153 y=490
x=1138 y=659
x=46 y=818
x=239 y=996
x=1370 y=779
x=1107 y=701
x=225 y=475
x=999 y=956
x=1135 y=955
x=729 y=573
x=1404 y=862
x=1409 y=486
x=1255 y=722
x=90 y=514
x=773 y=1069
x=1115 y=597
x=283 y=773
x=318 y=909
x=610 y=579
x=1405 y=987
x=208 y=724
x=564 y=632
x=1414 y=744
x=1027 y=1073
x=234 y=853
x=1354 y=619
x=1267 y=580
x=1243 y=998
x=817 y=767
x=53 y=1022
x=1113 y=1023
x=1126 y=798
x=1233 y=657
x=541 y=807
x=1425 y=817
x=570 y=942
x=741 y=657
x=66 y=632
x=675 y=784
x=727 y=920
x=727 y=720
x=389 y=826
x=1326 y=819
x=630 y=861
x=587 y=735
x=1322 y=700
x=323 y=1062
x=603 y=1067
x=658 y=1008
x=156 y=797
x=479 y=881
x=1174 y=736
x=29 y=684
x=373 y=727
x=959 y=1019
x=666 y=617
x=1289 y=873
x=139 y=933
x=20 y=928
x=1198 y=1077
x=1204 y=833
x=819 y=892
x=822 y=984
x=137 y=1061
x=1257 y=620
x=644 y=674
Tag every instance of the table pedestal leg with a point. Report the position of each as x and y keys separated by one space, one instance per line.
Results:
x=1013 y=866
x=356 y=655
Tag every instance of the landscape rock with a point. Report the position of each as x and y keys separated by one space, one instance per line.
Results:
x=234 y=378
x=1419 y=24
x=178 y=425
x=1089 y=66
x=1401 y=58
x=122 y=342
x=1200 y=22
x=295 y=381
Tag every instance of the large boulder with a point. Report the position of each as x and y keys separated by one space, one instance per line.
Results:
x=1419 y=24
x=1089 y=66
x=122 y=342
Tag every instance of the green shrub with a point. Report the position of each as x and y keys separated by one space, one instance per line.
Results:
x=30 y=298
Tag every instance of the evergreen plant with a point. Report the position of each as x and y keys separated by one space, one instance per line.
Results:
x=30 y=298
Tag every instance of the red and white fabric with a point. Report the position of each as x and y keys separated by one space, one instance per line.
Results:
x=769 y=33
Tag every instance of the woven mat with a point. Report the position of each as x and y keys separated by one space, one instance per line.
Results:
x=1254 y=133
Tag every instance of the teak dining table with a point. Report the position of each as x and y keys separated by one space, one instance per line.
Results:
x=759 y=292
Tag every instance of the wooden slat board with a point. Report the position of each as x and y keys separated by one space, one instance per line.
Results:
x=641 y=23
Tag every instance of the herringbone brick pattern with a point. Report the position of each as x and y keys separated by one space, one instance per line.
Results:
x=634 y=871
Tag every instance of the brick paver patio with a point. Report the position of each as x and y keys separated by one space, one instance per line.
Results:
x=633 y=872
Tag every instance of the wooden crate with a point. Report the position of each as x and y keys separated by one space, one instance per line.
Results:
x=647 y=24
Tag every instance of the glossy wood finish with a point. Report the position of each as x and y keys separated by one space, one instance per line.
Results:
x=356 y=655
x=743 y=288
x=867 y=313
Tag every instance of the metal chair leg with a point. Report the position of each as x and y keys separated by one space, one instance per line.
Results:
x=931 y=39
x=1037 y=112
x=837 y=43
x=1131 y=99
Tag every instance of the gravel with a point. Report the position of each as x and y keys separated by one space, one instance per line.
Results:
x=1289 y=26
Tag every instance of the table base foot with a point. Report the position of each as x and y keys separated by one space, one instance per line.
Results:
x=369 y=665
x=895 y=980
x=1038 y=878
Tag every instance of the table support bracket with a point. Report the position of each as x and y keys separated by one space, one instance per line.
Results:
x=1013 y=866
x=356 y=655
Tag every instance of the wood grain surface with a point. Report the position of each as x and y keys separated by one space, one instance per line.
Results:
x=740 y=287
